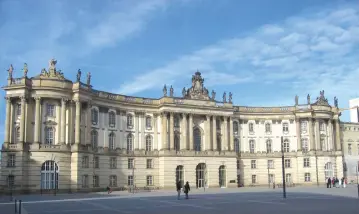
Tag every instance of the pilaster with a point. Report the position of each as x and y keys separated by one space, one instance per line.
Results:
x=317 y=135
x=299 y=143
x=214 y=133
x=137 y=134
x=231 y=137
x=190 y=128
x=311 y=131
x=225 y=134
x=142 y=144
x=171 y=132
x=7 y=120
x=63 y=120
x=164 y=137
x=338 y=146
x=184 y=132
x=78 y=122
x=207 y=132
x=22 y=119
x=155 y=132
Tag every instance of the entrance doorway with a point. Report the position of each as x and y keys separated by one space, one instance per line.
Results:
x=222 y=176
x=201 y=175
x=180 y=175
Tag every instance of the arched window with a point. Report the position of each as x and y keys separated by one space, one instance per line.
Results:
x=269 y=146
x=94 y=139
x=94 y=116
x=328 y=170
x=112 y=119
x=180 y=174
x=148 y=122
x=222 y=176
x=268 y=127
x=237 y=145
x=49 y=175
x=286 y=146
x=49 y=136
x=17 y=135
x=148 y=143
x=201 y=175
x=111 y=141
x=235 y=127
x=177 y=142
x=305 y=146
x=129 y=142
x=219 y=143
x=197 y=138
x=129 y=121
x=252 y=146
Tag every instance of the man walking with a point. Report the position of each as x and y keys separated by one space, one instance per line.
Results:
x=179 y=187
x=186 y=189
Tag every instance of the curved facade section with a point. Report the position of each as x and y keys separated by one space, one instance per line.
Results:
x=66 y=135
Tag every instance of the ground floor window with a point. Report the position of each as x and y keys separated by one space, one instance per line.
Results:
x=113 y=180
x=10 y=180
x=222 y=176
x=271 y=178
x=49 y=175
x=180 y=174
x=201 y=175
x=149 y=180
x=254 y=179
x=85 y=181
x=95 y=181
x=130 y=180
x=288 y=178
x=307 y=177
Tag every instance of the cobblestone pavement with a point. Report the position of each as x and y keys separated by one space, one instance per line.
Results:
x=319 y=200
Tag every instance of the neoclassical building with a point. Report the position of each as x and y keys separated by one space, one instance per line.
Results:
x=350 y=140
x=67 y=135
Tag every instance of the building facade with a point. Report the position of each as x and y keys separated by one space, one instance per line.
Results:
x=354 y=110
x=66 y=135
x=350 y=141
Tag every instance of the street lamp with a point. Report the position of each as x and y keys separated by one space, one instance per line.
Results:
x=283 y=168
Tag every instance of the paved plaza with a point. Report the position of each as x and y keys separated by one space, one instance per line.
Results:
x=301 y=200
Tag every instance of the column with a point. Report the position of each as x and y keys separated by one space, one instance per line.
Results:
x=330 y=144
x=143 y=132
x=22 y=119
x=37 y=120
x=297 y=126
x=63 y=120
x=137 y=127
x=207 y=143
x=311 y=131
x=78 y=122
x=317 y=135
x=338 y=146
x=190 y=128
x=231 y=137
x=88 y=123
x=225 y=134
x=171 y=132
x=214 y=133
x=164 y=131
x=155 y=133
x=7 y=120
x=184 y=132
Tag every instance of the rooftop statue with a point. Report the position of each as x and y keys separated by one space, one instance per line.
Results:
x=308 y=99
x=25 y=69
x=197 y=91
x=171 y=91
x=10 y=71
x=230 y=97
x=224 y=97
x=336 y=101
x=88 y=82
x=164 y=90
x=321 y=100
x=52 y=73
x=213 y=95
x=296 y=100
x=78 y=76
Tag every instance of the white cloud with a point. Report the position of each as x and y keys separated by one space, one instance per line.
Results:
x=312 y=52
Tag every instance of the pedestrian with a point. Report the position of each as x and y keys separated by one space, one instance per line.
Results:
x=329 y=183
x=108 y=190
x=179 y=187
x=187 y=188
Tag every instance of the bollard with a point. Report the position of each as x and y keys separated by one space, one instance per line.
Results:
x=19 y=206
x=15 y=206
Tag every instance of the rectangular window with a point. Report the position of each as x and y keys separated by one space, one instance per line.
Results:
x=95 y=181
x=303 y=127
x=288 y=178
x=306 y=162
x=307 y=177
x=149 y=164
x=50 y=110
x=148 y=123
x=271 y=178
x=130 y=163
x=11 y=160
x=149 y=180
x=270 y=164
x=18 y=109
x=94 y=116
x=129 y=121
x=254 y=179
x=113 y=180
x=113 y=163
x=287 y=163
x=85 y=162
x=130 y=180
x=10 y=180
x=349 y=149
x=96 y=162
x=253 y=164
x=85 y=181
x=285 y=127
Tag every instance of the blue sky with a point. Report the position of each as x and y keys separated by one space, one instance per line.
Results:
x=263 y=51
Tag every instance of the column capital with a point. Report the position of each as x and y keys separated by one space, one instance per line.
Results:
x=23 y=98
x=76 y=101
x=208 y=117
x=155 y=114
x=184 y=114
x=171 y=113
x=64 y=100
x=37 y=98
x=8 y=99
x=140 y=113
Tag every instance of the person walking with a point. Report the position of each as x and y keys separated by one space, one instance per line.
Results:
x=178 y=187
x=329 y=183
x=187 y=188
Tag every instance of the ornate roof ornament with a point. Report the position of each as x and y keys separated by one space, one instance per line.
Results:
x=197 y=91
x=25 y=69
x=52 y=73
x=321 y=100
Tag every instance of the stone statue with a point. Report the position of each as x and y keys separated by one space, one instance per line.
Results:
x=296 y=100
x=336 y=101
x=78 y=76
x=25 y=70
x=230 y=97
x=88 y=82
x=213 y=95
x=184 y=91
x=171 y=91
x=308 y=99
x=52 y=64
x=224 y=97
x=164 y=91
x=10 y=71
